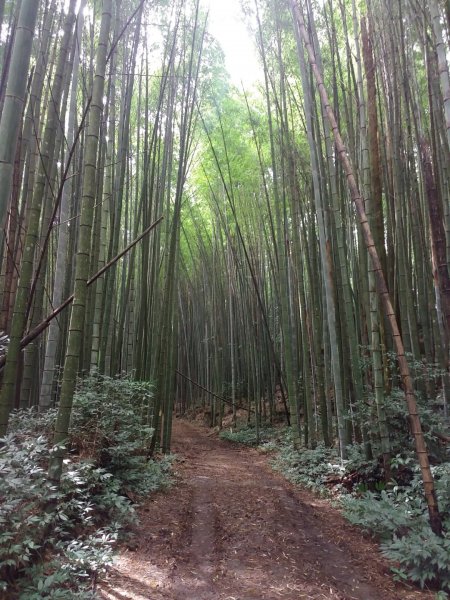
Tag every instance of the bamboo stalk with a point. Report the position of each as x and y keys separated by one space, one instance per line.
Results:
x=421 y=450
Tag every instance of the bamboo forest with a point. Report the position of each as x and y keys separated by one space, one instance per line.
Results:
x=225 y=299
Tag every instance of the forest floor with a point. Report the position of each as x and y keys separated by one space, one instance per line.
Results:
x=232 y=529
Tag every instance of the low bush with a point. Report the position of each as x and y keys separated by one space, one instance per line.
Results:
x=310 y=468
x=398 y=516
x=55 y=541
x=422 y=557
x=248 y=435
x=112 y=426
x=112 y=420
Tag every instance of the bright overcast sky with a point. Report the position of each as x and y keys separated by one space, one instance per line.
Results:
x=226 y=24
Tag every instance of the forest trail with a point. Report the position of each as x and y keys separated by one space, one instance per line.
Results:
x=232 y=529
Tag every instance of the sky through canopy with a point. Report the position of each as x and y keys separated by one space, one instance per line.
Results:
x=227 y=25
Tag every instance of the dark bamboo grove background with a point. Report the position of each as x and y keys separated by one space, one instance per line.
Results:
x=255 y=282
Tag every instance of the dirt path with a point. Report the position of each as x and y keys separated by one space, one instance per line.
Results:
x=232 y=529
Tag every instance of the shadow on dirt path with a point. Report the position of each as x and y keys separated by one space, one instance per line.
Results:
x=232 y=529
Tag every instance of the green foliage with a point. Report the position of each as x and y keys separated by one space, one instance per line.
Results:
x=362 y=474
x=24 y=490
x=53 y=541
x=397 y=417
x=111 y=425
x=425 y=375
x=37 y=520
x=384 y=514
x=399 y=517
x=247 y=435
x=69 y=574
x=112 y=419
x=422 y=556
x=310 y=468
x=421 y=370
x=30 y=422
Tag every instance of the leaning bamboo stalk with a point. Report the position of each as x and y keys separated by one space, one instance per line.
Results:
x=34 y=333
x=214 y=395
x=31 y=335
x=421 y=450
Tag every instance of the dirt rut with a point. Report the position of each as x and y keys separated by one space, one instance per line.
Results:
x=232 y=529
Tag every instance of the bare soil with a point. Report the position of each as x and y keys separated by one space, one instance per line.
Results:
x=232 y=529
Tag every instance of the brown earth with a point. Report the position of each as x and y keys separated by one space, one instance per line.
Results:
x=232 y=529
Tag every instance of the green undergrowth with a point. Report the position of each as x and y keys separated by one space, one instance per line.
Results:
x=249 y=436
x=398 y=517
x=396 y=514
x=55 y=542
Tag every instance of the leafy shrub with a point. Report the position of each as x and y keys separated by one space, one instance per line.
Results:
x=383 y=514
x=310 y=468
x=29 y=422
x=24 y=490
x=421 y=370
x=247 y=435
x=111 y=425
x=112 y=419
x=441 y=474
x=427 y=376
x=399 y=517
x=145 y=476
x=422 y=556
x=37 y=520
x=397 y=417
x=53 y=542
x=71 y=571
x=93 y=495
